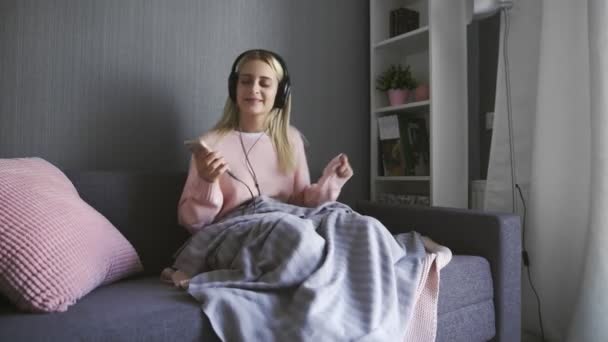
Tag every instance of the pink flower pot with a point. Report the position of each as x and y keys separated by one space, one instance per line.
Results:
x=397 y=96
x=422 y=92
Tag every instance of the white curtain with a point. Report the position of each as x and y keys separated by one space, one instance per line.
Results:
x=557 y=53
x=590 y=321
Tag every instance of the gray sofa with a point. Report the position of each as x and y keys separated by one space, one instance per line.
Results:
x=479 y=295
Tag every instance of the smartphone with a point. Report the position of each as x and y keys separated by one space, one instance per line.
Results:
x=197 y=145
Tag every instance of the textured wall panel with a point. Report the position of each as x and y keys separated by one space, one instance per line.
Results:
x=119 y=84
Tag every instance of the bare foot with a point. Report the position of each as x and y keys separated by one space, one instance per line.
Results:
x=175 y=277
x=180 y=279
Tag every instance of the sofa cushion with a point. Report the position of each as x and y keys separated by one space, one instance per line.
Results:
x=467 y=280
x=465 y=307
x=54 y=248
x=146 y=309
x=138 y=309
x=473 y=323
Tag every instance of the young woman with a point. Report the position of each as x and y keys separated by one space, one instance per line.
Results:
x=253 y=150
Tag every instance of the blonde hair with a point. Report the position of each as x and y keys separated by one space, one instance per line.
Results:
x=277 y=121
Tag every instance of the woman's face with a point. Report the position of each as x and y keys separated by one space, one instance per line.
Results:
x=256 y=88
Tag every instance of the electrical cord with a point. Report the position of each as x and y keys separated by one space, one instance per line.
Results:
x=526 y=261
x=514 y=184
x=509 y=109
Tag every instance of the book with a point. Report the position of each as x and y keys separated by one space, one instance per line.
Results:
x=404 y=199
x=415 y=145
x=411 y=20
x=392 y=160
x=390 y=146
x=392 y=24
x=402 y=20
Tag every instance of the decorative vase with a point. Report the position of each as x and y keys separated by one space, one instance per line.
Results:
x=397 y=96
x=421 y=93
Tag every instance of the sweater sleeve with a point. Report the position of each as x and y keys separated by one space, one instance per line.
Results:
x=200 y=202
x=326 y=189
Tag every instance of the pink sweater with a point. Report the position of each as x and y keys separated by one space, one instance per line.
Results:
x=202 y=202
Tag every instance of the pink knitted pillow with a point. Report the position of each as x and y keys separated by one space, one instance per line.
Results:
x=54 y=247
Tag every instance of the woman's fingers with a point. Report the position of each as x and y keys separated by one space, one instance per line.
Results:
x=345 y=171
x=209 y=158
x=343 y=168
x=216 y=163
x=210 y=165
x=219 y=170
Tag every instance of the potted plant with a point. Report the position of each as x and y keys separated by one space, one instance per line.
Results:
x=397 y=81
x=421 y=93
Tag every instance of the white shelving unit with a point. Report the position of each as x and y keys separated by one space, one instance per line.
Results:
x=436 y=52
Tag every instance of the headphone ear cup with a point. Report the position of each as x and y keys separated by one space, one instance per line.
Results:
x=232 y=79
x=282 y=94
x=279 y=100
x=286 y=91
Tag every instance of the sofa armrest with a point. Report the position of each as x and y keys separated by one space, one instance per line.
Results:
x=494 y=236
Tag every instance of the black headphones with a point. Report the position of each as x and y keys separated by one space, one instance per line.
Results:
x=283 y=90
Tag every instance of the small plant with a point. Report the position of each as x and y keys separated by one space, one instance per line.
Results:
x=396 y=77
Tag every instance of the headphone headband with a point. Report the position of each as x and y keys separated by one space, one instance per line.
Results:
x=283 y=89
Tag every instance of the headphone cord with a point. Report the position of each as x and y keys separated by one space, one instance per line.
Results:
x=240 y=181
x=250 y=170
x=514 y=184
x=233 y=176
x=248 y=162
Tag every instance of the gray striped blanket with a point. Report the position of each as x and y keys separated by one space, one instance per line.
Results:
x=271 y=271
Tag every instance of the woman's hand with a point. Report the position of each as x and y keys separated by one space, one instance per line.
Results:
x=337 y=172
x=339 y=167
x=344 y=170
x=209 y=164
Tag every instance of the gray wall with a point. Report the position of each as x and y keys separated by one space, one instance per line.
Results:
x=119 y=84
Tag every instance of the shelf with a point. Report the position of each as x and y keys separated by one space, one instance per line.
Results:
x=439 y=60
x=408 y=43
x=403 y=107
x=403 y=178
